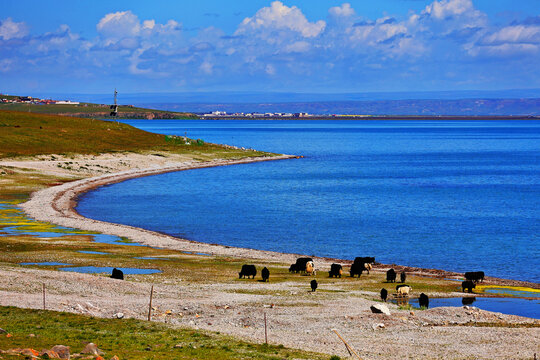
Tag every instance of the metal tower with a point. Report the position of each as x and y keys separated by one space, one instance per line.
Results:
x=114 y=107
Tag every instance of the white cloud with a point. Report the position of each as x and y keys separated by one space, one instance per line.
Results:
x=298 y=47
x=343 y=10
x=514 y=34
x=447 y=16
x=505 y=50
x=10 y=29
x=378 y=34
x=148 y=24
x=514 y=40
x=279 y=44
x=270 y=69
x=207 y=67
x=447 y=8
x=134 y=64
x=119 y=25
x=280 y=17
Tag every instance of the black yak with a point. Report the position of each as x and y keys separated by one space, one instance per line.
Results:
x=403 y=276
x=247 y=270
x=364 y=260
x=357 y=269
x=335 y=270
x=391 y=275
x=313 y=285
x=265 y=273
x=384 y=294
x=117 y=274
x=423 y=301
x=300 y=265
x=475 y=276
x=469 y=285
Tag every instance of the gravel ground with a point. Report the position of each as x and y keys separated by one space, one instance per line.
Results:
x=296 y=318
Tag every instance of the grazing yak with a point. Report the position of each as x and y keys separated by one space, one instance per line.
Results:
x=364 y=259
x=403 y=276
x=247 y=270
x=403 y=290
x=423 y=301
x=360 y=264
x=357 y=269
x=293 y=268
x=475 y=276
x=314 y=285
x=265 y=273
x=336 y=270
x=300 y=265
x=310 y=268
x=117 y=274
x=384 y=294
x=391 y=275
x=469 y=285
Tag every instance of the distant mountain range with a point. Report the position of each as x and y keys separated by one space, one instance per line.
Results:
x=382 y=107
x=471 y=102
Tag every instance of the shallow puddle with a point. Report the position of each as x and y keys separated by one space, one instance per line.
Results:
x=93 y=252
x=14 y=222
x=196 y=253
x=108 y=269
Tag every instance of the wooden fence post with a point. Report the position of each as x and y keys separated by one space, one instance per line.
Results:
x=349 y=348
x=265 y=331
x=150 y=306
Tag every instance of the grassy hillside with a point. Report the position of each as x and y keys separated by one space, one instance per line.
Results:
x=128 y=338
x=95 y=110
x=23 y=134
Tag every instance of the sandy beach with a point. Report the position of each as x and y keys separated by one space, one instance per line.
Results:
x=298 y=318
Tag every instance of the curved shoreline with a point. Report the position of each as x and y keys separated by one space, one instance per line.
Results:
x=56 y=204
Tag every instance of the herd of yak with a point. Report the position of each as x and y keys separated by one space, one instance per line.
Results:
x=306 y=266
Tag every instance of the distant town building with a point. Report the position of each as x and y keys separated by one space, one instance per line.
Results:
x=67 y=102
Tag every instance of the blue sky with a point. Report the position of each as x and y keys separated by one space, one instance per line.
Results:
x=274 y=46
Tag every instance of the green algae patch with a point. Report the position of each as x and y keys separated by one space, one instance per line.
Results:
x=513 y=291
x=130 y=338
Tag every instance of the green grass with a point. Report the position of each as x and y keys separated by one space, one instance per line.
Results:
x=129 y=338
x=28 y=134
x=94 y=110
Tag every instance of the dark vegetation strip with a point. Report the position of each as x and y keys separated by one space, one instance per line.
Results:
x=96 y=111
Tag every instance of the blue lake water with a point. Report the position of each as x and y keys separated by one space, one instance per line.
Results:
x=513 y=306
x=454 y=195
